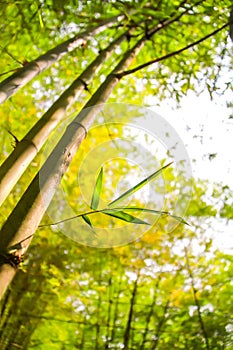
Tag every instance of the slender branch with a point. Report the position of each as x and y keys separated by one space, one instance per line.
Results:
x=231 y=24
x=174 y=53
x=73 y=217
x=172 y=18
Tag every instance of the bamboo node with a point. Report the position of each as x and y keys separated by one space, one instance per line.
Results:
x=11 y=259
x=85 y=85
x=82 y=126
x=31 y=143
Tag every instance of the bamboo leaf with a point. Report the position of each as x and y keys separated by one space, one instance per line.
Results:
x=88 y=221
x=119 y=214
x=180 y=219
x=161 y=212
x=97 y=190
x=144 y=210
x=138 y=186
x=41 y=20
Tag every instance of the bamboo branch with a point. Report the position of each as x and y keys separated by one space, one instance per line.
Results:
x=171 y=54
x=12 y=84
x=25 y=150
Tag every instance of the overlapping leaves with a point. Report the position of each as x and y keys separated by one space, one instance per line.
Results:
x=123 y=213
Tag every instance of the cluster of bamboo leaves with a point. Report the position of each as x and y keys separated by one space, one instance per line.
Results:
x=122 y=212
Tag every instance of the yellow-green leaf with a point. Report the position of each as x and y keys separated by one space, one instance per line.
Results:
x=138 y=186
x=97 y=191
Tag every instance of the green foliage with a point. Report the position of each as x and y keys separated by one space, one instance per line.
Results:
x=119 y=212
x=97 y=190
x=166 y=290
x=137 y=187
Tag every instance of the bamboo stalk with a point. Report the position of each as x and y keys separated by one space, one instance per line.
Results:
x=128 y=328
x=23 y=221
x=12 y=84
x=24 y=152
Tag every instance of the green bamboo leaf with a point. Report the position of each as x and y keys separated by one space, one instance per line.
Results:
x=88 y=221
x=97 y=191
x=119 y=214
x=180 y=219
x=144 y=209
x=161 y=212
x=41 y=20
x=138 y=186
